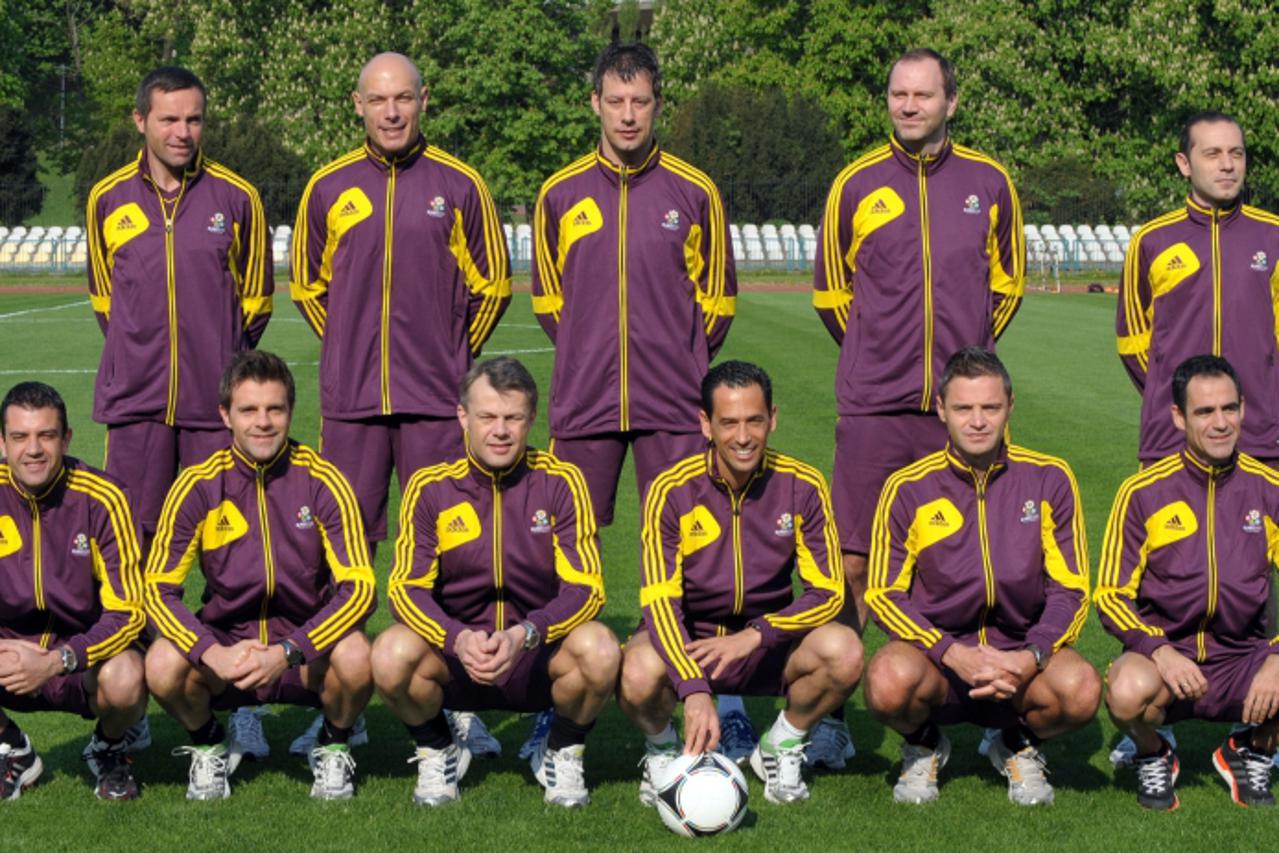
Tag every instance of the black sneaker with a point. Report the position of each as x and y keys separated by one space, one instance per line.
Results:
x=113 y=769
x=1246 y=772
x=19 y=768
x=1156 y=776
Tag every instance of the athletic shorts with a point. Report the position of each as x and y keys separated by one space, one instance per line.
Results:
x=527 y=686
x=869 y=448
x=761 y=673
x=959 y=707
x=600 y=457
x=365 y=450
x=1228 y=681
x=145 y=457
x=61 y=693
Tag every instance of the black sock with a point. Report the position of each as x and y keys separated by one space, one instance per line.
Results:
x=12 y=735
x=332 y=733
x=1241 y=740
x=838 y=713
x=434 y=733
x=564 y=732
x=927 y=736
x=1019 y=737
x=209 y=734
x=100 y=735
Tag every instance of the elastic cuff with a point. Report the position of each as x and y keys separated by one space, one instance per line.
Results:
x=691 y=686
x=1149 y=645
x=770 y=637
x=938 y=651
x=202 y=645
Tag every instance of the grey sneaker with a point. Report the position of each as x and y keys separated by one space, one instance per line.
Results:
x=471 y=733
x=333 y=769
x=1027 y=773
x=536 y=737
x=438 y=772
x=137 y=737
x=736 y=736
x=920 y=769
x=562 y=774
x=655 y=762
x=210 y=771
x=830 y=745
x=1125 y=752
x=112 y=770
x=245 y=738
x=19 y=768
x=305 y=742
x=779 y=767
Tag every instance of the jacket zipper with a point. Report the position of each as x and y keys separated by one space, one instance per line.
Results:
x=987 y=570
x=386 y=292
x=37 y=569
x=1216 y=283
x=170 y=276
x=739 y=574
x=268 y=563
x=499 y=619
x=925 y=401
x=1211 y=609
x=621 y=299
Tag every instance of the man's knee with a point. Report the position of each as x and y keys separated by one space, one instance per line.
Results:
x=166 y=668
x=838 y=651
x=350 y=658
x=1132 y=684
x=121 y=680
x=396 y=654
x=1079 y=687
x=894 y=676
x=643 y=673
x=595 y=654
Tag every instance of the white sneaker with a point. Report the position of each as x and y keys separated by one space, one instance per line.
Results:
x=19 y=768
x=920 y=768
x=737 y=737
x=562 y=774
x=245 y=737
x=1125 y=752
x=210 y=771
x=438 y=772
x=537 y=737
x=471 y=733
x=307 y=741
x=830 y=744
x=655 y=763
x=779 y=767
x=333 y=770
x=1027 y=773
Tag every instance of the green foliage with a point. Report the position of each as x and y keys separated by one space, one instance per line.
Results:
x=257 y=153
x=1068 y=190
x=116 y=147
x=20 y=189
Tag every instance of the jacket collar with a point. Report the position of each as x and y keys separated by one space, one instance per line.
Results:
x=268 y=470
x=931 y=162
x=400 y=160
x=968 y=474
x=1203 y=473
x=190 y=174
x=48 y=493
x=712 y=474
x=487 y=476
x=1201 y=215
x=615 y=173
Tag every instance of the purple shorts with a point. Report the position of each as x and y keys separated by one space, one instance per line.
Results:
x=959 y=707
x=145 y=457
x=365 y=450
x=868 y=449
x=61 y=693
x=761 y=673
x=527 y=686
x=1228 y=681
x=600 y=458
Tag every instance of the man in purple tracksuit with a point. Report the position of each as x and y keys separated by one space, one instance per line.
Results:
x=400 y=267
x=979 y=576
x=634 y=284
x=1184 y=580
x=725 y=531
x=288 y=585
x=180 y=280
x=496 y=585
x=921 y=253
x=1204 y=279
x=70 y=596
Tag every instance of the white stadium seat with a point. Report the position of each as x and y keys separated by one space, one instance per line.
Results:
x=808 y=232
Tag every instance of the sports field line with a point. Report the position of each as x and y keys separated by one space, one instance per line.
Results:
x=24 y=312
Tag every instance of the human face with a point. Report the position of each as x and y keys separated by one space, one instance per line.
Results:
x=1216 y=165
x=34 y=445
x=173 y=127
x=391 y=100
x=975 y=412
x=258 y=418
x=738 y=429
x=918 y=106
x=1211 y=421
x=496 y=424
x=627 y=111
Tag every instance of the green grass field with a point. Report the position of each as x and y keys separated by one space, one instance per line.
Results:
x=1073 y=399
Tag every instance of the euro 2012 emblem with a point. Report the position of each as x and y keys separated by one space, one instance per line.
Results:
x=541 y=522
x=785 y=525
x=671 y=220
x=305 y=520
x=80 y=545
x=972 y=205
x=217 y=224
x=1029 y=512
x=1252 y=522
x=1260 y=262
x=436 y=207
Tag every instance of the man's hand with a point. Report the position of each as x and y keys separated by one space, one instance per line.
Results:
x=701 y=723
x=230 y=663
x=722 y=651
x=1180 y=673
x=974 y=665
x=1262 y=701
x=1005 y=670
x=504 y=649
x=262 y=667
x=25 y=667
x=472 y=649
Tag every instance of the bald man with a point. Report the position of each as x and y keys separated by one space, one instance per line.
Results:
x=399 y=265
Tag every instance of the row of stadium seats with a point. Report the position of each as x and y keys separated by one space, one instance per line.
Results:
x=773 y=247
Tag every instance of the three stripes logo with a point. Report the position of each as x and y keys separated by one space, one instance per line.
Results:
x=879 y=208
x=697 y=529
x=1175 y=524
x=938 y=519
x=1176 y=263
x=582 y=219
x=125 y=224
x=349 y=209
x=457 y=525
x=224 y=525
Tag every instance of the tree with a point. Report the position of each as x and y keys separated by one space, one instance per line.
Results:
x=20 y=191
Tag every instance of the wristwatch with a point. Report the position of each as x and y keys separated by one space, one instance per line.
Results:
x=1041 y=659
x=531 y=635
x=68 y=659
x=292 y=654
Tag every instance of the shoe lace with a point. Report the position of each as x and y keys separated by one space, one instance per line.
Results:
x=569 y=769
x=1030 y=766
x=919 y=764
x=736 y=728
x=207 y=767
x=333 y=766
x=1153 y=775
x=1257 y=770
x=790 y=761
x=430 y=767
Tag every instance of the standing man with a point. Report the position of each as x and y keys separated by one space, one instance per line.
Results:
x=1184 y=580
x=180 y=280
x=288 y=586
x=979 y=576
x=496 y=586
x=1204 y=279
x=70 y=596
x=725 y=532
x=921 y=254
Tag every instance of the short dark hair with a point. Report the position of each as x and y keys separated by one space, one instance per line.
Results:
x=1203 y=117
x=918 y=54
x=258 y=366
x=626 y=59
x=1200 y=365
x=505 y=374
x=166 y=78
x=735 y=374
x=973 y=363
x=34 y=395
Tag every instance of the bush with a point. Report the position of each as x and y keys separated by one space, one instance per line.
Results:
x=1067 y=190
x=20 y=191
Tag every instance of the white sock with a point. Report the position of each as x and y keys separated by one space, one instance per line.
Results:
x=782 y=730
x=663 y=740
x=729 y=704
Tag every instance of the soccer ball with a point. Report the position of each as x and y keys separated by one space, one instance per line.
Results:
x=701 y=795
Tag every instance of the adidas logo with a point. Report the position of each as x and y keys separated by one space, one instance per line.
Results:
x=125 y=224
x=697 y=529
x=879 y=207
x=1174 y=523
x=1176 y=263
x=457 y=525
x=224 y=524
x=938 y=519
x=3 y=540
x=582 y=219
x=349 y=209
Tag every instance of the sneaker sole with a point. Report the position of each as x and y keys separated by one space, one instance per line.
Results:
x=757 y=765
x=28 y=779
x=1223 y=770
